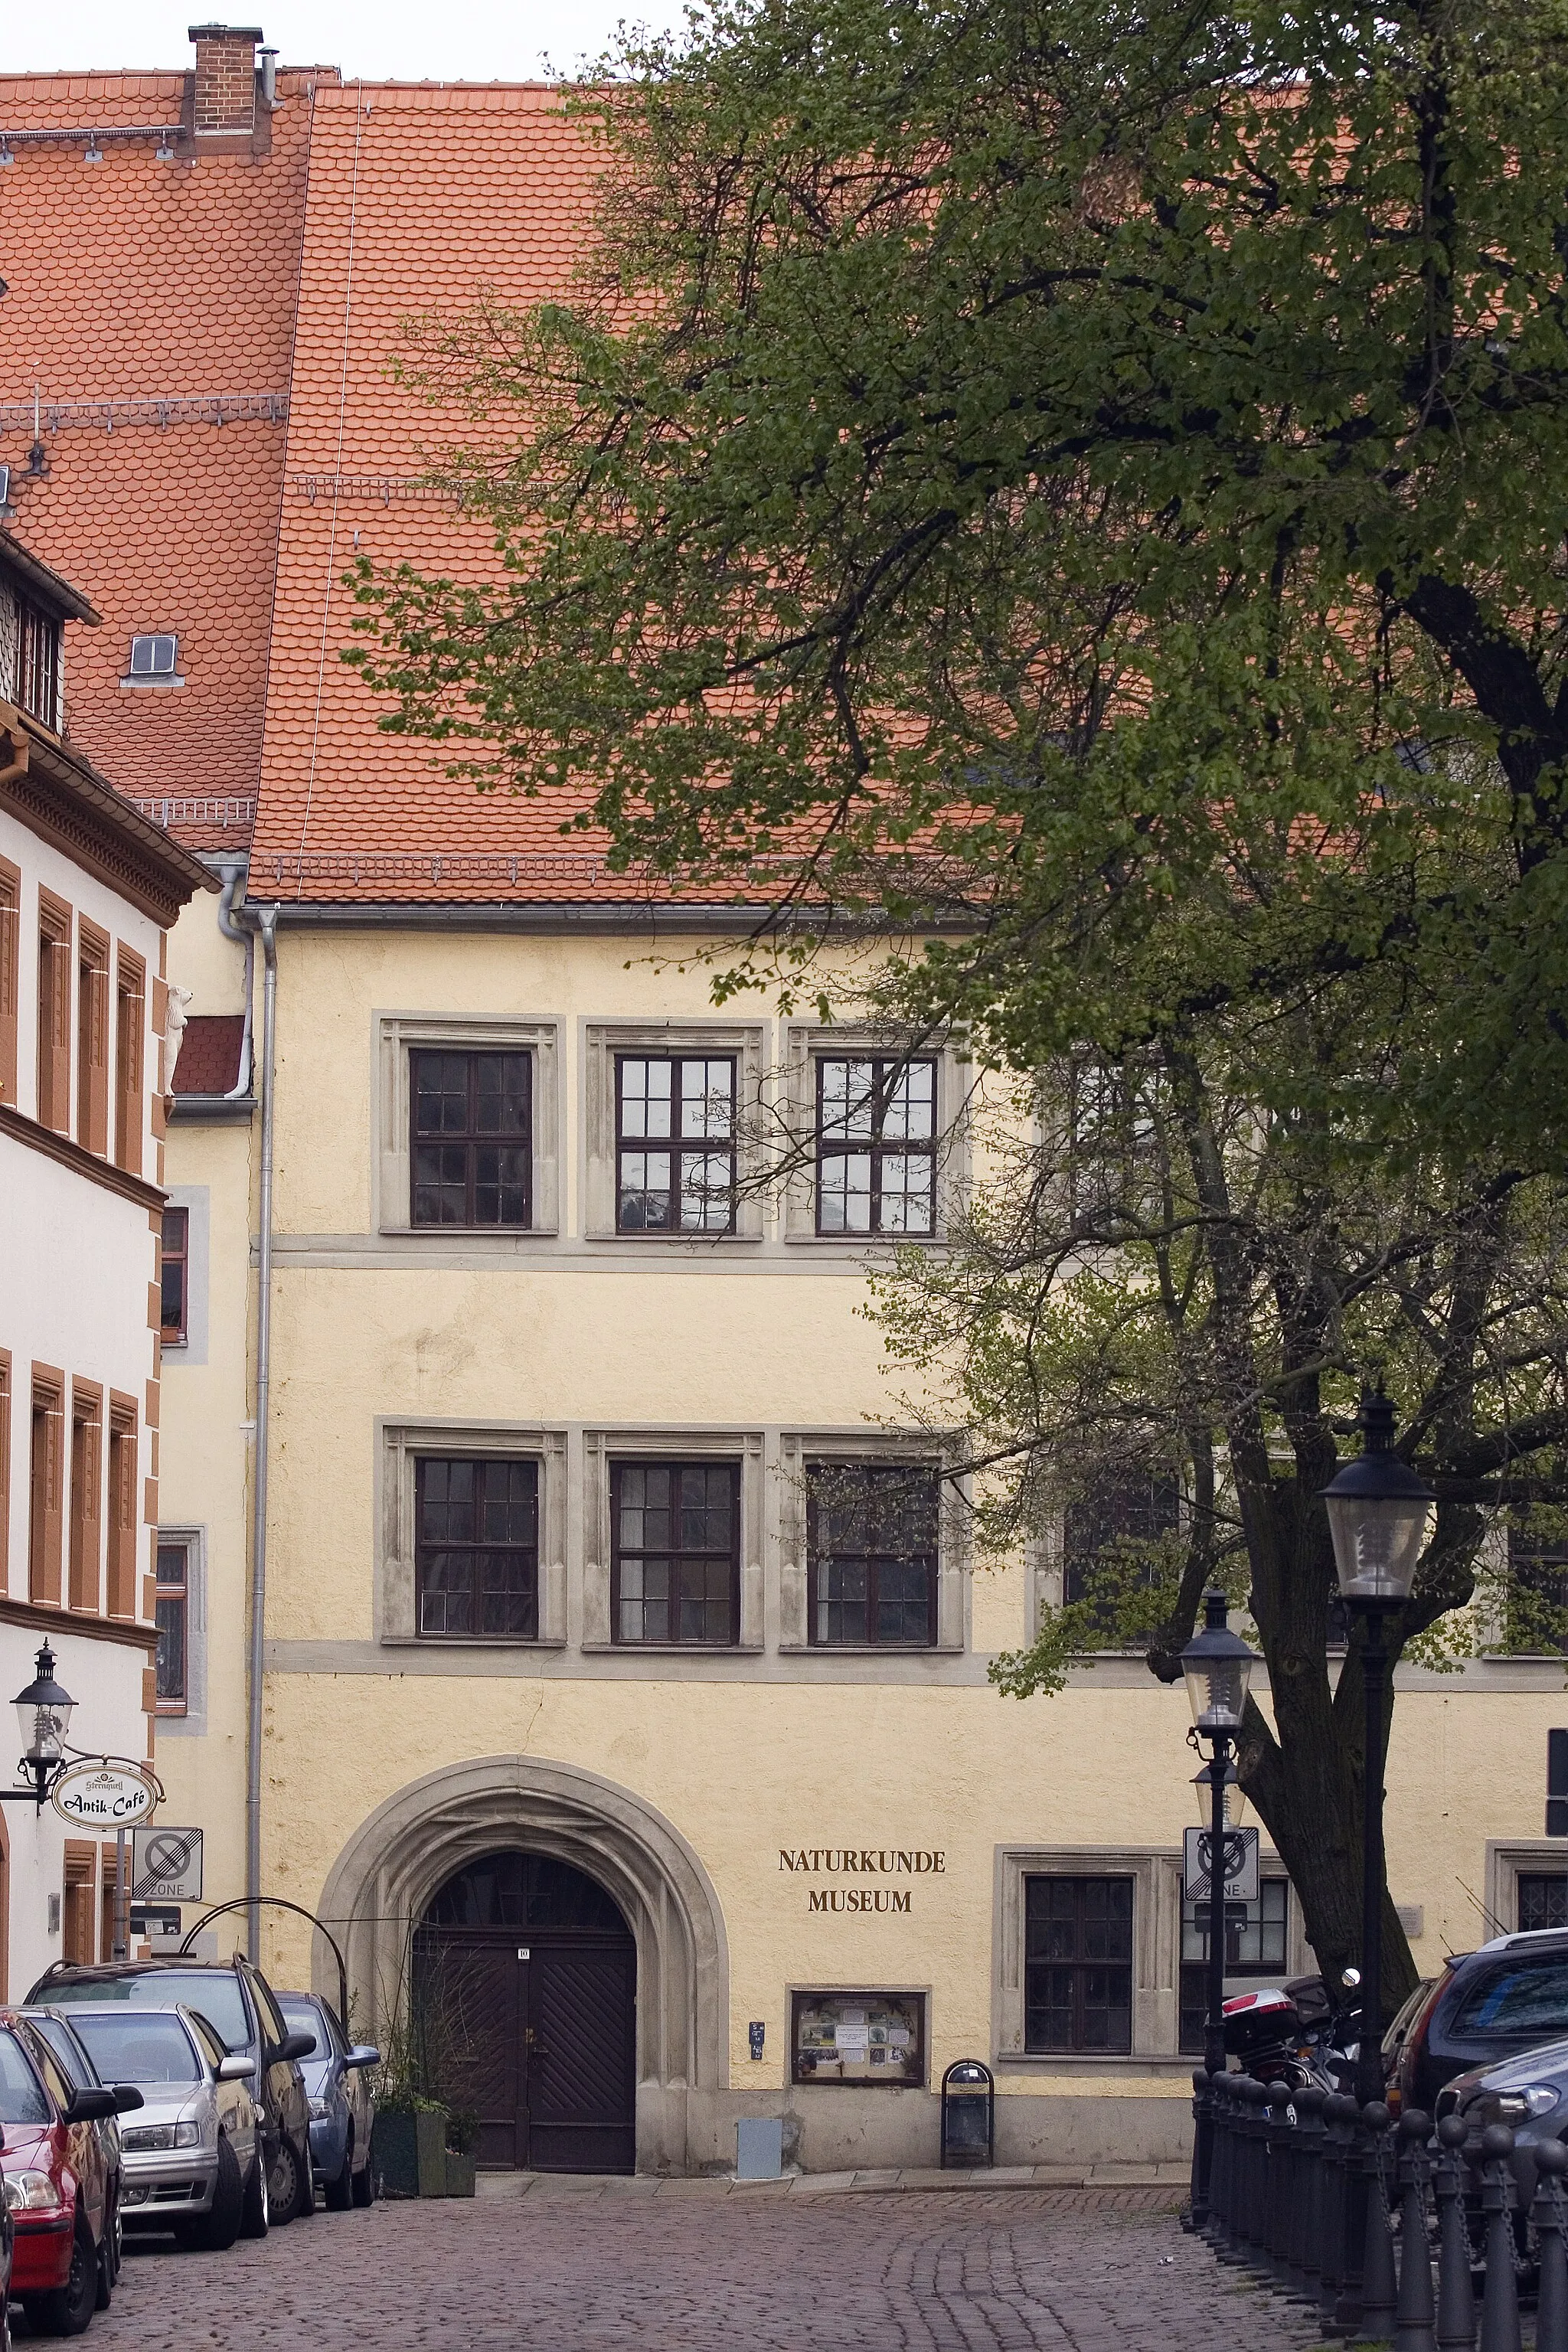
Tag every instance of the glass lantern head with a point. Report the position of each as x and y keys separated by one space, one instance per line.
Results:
x=1381 y=1514
x=1203 y=1792
x=44 y=1712
x=1218 y=1666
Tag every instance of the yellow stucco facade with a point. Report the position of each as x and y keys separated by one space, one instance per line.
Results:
x=724 y=1796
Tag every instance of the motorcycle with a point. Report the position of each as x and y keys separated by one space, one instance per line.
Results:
x=1296 y=2032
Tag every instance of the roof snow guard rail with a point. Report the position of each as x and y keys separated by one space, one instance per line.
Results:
x=72 y=135
x=384 y=487
x=377 y=866
x=238 y=811
x=107 y=416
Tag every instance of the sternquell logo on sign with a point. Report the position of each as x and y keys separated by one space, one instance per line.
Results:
x=103 y=1796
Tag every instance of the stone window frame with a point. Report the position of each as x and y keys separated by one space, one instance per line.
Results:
x=397 y=1034
x=609 y=1443
x=804 y=1041
x=1508 y=1860
x=602 y=1041
x=955 y=1541
x=398 y=1445
x=196 y=1202
x=1156 y=1875
x=193 y=1538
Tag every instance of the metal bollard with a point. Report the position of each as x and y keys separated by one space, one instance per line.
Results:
x=1552 y=2293
x=1417 y=2312
x=1227 y=2241
x=1306 y=2249
x=1249 y=2153
x=1277 y=2155
x=1499 y=2304
x=1379 y=2287
x=1200 y=2187
x=1339 y=2155
x=1456 y=2291
x=1213 y=2227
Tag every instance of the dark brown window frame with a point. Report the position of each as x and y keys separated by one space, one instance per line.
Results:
x=1192 y=1974
x=423 y=1547
x=870 y=1474
x=129 y=1058
x=93 y=1038
x=1080 y=1964
x=175 y=1258
x=39 y=664
x=167 y=1593
x=124 y=1507
x=680 y=1147
x=46 y=1485
x=674 y=1554
x=473 y=1138
x=886 y=1069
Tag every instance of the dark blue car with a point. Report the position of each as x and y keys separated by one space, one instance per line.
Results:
x=342 y=2106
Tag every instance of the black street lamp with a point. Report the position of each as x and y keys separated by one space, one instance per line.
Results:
x=44 y=1712
x=1218 y=1667
x=1380 y=1516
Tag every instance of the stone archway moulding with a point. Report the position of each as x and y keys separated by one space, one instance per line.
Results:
x=393 y=1863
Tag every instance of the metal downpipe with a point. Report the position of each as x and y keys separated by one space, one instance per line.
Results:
x=266 y=918
x=234 y=871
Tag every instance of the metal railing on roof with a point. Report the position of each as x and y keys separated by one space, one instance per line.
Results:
x=72 y=134
x=384 y=487
x=161 y=409
x=237 y=809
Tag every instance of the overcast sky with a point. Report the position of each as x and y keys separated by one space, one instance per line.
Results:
x=403 y=41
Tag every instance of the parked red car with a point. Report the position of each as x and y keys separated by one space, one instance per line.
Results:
x=57 y=2184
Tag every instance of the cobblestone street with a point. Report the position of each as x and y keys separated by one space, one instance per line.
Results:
x=608 y=2269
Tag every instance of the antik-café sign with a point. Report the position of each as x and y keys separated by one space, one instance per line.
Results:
x=861 y=1862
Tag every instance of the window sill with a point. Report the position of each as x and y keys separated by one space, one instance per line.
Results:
x=865 y=1241
x=455 y=1643
x=870 y=1649
x=671 y=1649
x=639 y=1239
x=141 y=685
x=1091 y=2062
x=443 y=1236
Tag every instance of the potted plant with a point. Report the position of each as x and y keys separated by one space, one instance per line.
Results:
x=462 y=2144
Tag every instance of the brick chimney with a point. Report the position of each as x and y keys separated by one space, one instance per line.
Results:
x=225 y=79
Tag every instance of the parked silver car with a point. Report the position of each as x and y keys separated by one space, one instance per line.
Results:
x=342 y=2105
x=190 y=2160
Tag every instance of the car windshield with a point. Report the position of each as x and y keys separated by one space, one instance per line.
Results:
x=215 y=1992
x=1517 y=1999
x=22 y=2099
x=128 y=2048
x=302 y=2017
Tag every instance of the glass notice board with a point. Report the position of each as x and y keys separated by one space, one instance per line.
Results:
x=873 y=2039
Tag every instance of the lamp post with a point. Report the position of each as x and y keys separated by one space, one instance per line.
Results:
x=1217 y=1665
x=44 y=1712
x=1380 y=1516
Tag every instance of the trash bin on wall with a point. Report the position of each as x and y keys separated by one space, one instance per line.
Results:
x=968 y=2114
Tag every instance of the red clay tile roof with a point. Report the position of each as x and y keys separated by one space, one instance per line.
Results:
x=442 y=193
x=133 y=281
x=209 y=1054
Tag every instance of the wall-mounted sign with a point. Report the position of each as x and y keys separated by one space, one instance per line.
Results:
x=873 y=2039
x=861 y=1862
x=103 y=1796
x=1240 y=1866
x=166 y=1866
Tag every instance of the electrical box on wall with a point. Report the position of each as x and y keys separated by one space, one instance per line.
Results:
x=53 y=1914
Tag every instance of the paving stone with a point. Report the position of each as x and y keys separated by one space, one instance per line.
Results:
x=1017 y=2270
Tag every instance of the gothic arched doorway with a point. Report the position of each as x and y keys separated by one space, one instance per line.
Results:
x=525 y=1986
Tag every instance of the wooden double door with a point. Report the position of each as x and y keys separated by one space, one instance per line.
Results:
x=538 y=2034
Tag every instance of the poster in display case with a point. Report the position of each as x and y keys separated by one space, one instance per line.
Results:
x=873 y=2039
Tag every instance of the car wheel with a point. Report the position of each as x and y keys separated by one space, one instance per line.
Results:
x=69 y=2310
x=340 y=2192
x=253 y=2211
x=364 y=2184
x=220 y=2226
x=284 y=2189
